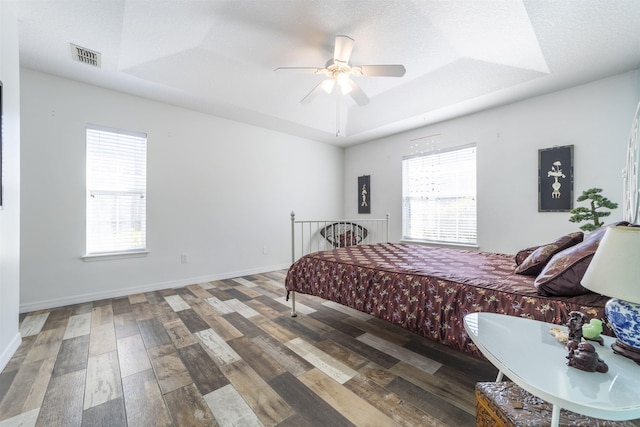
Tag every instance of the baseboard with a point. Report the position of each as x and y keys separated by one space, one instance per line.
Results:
x=94 y=296
x=8 y=352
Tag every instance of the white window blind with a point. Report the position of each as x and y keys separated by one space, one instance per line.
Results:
x=116 y=191
x=439 y=196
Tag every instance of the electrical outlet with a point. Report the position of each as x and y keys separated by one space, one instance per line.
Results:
x=265 y=250
x=183 y=258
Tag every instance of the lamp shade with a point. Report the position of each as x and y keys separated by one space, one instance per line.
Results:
x=614 y=270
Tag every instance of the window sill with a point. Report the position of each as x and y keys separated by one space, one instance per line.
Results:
x=114 y=255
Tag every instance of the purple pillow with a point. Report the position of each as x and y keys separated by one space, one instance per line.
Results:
x=524 y=253
x=535 y=262
x=562 y=275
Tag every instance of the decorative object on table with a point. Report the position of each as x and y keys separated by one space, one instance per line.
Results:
x=585 y=358
x=614 y=271
x=555 y=179
x=576 y=320
x=591 y=331
x=560 y=335
x=594 y=212
x=364 y=194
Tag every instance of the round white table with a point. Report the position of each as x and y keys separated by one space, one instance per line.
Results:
x=525 y=351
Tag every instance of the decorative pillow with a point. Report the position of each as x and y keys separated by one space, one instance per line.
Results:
x=348 y=238
x=524 y=253
x=536 y=261
x=562 y=275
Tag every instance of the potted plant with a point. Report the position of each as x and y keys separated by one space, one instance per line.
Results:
x=594 y=212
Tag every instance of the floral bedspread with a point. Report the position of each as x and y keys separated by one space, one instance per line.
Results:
x=429 y=290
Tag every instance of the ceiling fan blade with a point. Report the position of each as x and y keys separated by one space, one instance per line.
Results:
x=357 y=94
x=343 y=48
x=313 y=94
x=382 y=70
x=308 y=70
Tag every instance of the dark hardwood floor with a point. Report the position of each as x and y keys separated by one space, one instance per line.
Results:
x=228 y=353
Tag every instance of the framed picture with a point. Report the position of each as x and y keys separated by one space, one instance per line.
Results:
x=555 y=179
x=364 y=194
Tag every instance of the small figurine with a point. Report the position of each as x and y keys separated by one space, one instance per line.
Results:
x=591 y=331
x=585 y=358
x=576 y=320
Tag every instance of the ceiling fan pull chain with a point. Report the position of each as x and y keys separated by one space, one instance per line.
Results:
x=337 y=116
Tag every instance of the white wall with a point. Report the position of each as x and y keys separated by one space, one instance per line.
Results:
x=218 y=191
x=10 y=211
x=595 y=118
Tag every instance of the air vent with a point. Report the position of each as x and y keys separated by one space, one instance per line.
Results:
x=84 y=55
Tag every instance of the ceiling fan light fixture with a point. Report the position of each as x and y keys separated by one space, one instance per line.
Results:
x=343 y=82
x=328 y=85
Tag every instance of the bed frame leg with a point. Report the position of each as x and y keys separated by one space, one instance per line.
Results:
x=293 y=305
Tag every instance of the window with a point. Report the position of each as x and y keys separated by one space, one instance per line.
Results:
x=116 y=191
x=439 y=196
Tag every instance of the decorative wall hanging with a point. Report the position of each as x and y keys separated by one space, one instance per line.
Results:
x=364 y=194
x=555 y=179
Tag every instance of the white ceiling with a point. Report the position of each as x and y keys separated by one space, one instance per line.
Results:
x=219 y=56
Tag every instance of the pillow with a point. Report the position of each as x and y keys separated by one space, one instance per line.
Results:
x=562 y=275
x=524 y=253
x=348 y=238
x=536 y=261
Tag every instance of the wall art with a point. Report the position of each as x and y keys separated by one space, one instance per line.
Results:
x=364 y=194
x=555 y=179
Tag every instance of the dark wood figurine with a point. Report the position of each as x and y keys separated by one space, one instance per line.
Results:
x=576 y=320
x=585 y=358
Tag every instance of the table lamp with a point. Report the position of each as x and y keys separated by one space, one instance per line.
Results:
x=614 y=271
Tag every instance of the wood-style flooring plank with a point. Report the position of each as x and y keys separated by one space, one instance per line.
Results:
x=230 y=409
x=46 y=345
x=102 y=379
x=143 y=401
x=62 y=404
x=169 y=368
x=132 y=355
x=400 y=411
x=32 y=324
x=205 y=373
x=78 y=325
x=27 y=388
x=261 y=362
x=153 y=333
x=187 y=407
x=107 y=414
x=435 y=406
x=179 y=334
x=73 y=356
x=309 y=405
x=102 y=339
x=350 y=405
x=192 y=321
x=268 y=405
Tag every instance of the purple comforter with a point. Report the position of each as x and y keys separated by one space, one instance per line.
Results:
x=428 y=290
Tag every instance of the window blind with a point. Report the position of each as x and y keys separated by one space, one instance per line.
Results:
x=116 y=190
x=439 y=196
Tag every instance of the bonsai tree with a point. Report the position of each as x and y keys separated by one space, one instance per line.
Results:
x=593 y=212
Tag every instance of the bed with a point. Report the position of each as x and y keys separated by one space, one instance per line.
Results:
x=428 y=290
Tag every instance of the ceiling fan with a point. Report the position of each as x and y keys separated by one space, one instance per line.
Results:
x=339 y=72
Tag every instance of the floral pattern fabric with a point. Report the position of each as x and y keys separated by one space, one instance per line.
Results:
x=429 y=290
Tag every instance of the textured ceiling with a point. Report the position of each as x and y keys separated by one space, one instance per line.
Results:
x=219 y=56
